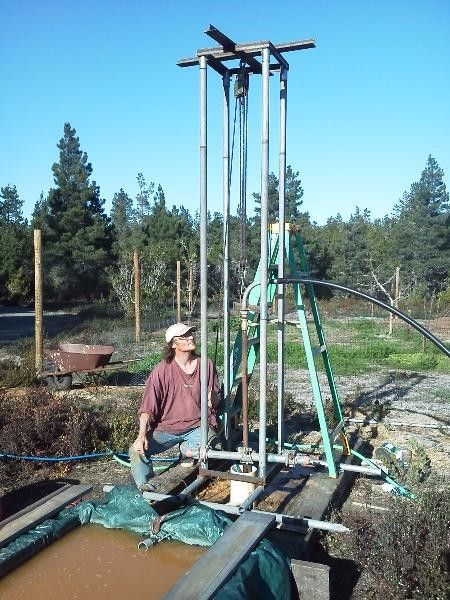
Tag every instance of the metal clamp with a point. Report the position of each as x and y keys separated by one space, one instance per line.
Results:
x=202 y=454
x=290 y=456
x=245 y=455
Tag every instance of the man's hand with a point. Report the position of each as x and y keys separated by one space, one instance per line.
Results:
x=140 y=444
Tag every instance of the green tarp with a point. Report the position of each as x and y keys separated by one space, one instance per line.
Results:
x=265 y=574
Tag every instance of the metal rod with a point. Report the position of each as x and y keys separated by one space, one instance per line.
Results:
x=279 y=518
x=281 y=245
x=425 y=332
x=226 y=508
x=38 y=302
x=244 y=383
x=352 y=468
x=198 y=482
x=250 y=499
x=178 y=291
x=397 y=424
x=181 y=496
x=298 y=459
x=253 y=457
x=264 y=260
x=203 y=260
x=226 y=254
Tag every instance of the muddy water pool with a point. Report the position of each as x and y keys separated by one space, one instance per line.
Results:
x=105 y=564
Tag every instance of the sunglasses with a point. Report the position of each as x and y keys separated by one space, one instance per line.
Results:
x=186 y=336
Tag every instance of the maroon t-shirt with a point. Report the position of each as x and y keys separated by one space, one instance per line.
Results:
x=172 y=397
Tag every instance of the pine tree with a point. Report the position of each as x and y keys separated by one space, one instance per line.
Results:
x=10 y=205
x=421 y=231
x=122 y=219
x=143 y=198
x=15 y=248
x=293 y=197
x=76 y=232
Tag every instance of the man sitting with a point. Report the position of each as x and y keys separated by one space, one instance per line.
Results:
x=169 y=413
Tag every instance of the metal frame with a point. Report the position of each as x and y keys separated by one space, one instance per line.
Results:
x=216 y=57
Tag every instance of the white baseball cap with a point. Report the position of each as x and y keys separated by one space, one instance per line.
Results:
x=178 y=329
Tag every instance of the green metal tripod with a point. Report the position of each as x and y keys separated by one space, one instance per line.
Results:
x=330 y=418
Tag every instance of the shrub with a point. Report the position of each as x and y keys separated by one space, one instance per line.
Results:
x=39 y=423
x=13 y=375
x=403 y=552
x=122 y=430
x=291 y=407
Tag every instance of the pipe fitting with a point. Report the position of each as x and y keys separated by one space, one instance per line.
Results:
x=304 y=460
x=148 y=543
x=246 y=455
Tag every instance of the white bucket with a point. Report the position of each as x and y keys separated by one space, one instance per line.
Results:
x=240 y=490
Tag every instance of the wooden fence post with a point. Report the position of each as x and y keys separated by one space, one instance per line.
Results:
x=191 y=289
x=397 y=287
x=137 y=295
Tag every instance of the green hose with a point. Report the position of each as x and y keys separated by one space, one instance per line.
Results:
x=159 y=468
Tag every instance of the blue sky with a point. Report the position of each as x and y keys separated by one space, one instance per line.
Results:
x=365 y=108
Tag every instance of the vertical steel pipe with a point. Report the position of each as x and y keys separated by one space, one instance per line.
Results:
x=203 y=261
x=226 y=253
x=281 y=246
x=38 y=301
x=264 y=260
x=244 y=383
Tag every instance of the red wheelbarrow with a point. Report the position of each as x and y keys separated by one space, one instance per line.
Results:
x=69 y=359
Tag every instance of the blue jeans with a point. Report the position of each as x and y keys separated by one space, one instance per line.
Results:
x=158 y=441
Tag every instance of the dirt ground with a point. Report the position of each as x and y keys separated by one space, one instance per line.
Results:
x=412 y=398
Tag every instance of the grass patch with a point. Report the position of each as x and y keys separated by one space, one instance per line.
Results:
x=147 y=364
x=416 y=361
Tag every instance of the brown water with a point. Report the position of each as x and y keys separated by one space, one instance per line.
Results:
x=105 y=564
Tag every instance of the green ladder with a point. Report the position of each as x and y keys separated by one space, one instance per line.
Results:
x=295 y=254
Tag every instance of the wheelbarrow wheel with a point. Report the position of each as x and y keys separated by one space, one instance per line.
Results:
x=59 y=382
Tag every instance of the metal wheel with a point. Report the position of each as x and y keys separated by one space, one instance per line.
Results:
x=59 y=382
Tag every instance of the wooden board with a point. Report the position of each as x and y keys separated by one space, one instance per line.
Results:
x=52 y=506
x=219 y=563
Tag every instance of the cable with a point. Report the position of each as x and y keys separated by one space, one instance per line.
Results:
x=425 y=332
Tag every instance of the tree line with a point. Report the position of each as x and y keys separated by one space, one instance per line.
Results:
x=88 y=254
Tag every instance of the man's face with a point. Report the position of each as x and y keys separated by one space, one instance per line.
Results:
x=184 y=343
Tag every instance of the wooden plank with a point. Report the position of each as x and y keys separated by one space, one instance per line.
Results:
x=51 y=507
x=219 y=563
x=312 y=579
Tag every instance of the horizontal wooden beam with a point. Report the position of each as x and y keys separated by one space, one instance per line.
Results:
x=220 y=561
x=53 y=505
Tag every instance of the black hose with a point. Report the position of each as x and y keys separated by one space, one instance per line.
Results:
x=436 y=341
